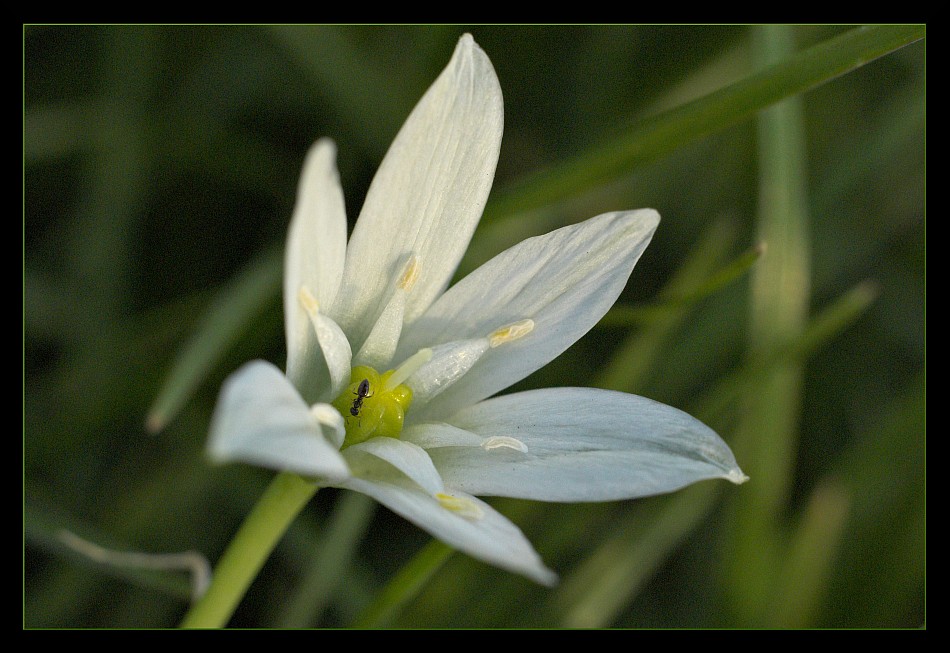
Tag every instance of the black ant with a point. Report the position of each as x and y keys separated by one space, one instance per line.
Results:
x=362 y=392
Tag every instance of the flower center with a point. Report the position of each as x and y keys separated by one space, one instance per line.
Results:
x=374 y=404
x=371 y=408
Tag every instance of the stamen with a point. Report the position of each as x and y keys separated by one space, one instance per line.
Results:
x=510 y=332
x=463 y=507
x=407 y=369
x=308 y=301
x=454 y=359
x=409 y=274
x=504 y=442
x=449 y=363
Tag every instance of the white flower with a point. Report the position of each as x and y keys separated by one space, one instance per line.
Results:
x=389 y=374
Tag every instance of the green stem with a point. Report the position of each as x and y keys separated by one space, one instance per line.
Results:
x=779 y=298
x=405 y=585
x=282 y=501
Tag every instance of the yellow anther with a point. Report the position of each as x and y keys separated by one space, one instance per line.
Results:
x=409 y=274
x=504 y=442
x=461 y=506
x=510 y=332
x=308 y=301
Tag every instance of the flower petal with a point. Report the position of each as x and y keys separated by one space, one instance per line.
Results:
x=316 y=248
x=449 y=362
x=337 y=355
x=434 y=435
x=261 y=419
x=428 y=194
x=582 y=445
x=481 y=532
x=331 y=422
x=563 y=281
x=408 y=458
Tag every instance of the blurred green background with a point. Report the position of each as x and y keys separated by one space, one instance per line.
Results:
x=160 y=170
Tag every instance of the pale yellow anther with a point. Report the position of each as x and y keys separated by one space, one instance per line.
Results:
x=510 y=332
x=461 y=506
x=409 y=274
x=308 y=301
x=504 y=442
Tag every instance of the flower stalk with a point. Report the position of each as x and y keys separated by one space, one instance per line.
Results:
x=284 y=498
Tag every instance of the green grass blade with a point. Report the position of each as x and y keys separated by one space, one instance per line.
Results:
x=673 y=299
x=227 y=318
x=629 y=367
x=661 y=134
x=599 y=588
x=809 y=558
x=405 y=585
x=60 y=129
x=779 y=299
x=822 y=328
x=881 y=568
x=335 y=551
x=116 y=180
x=374 y=108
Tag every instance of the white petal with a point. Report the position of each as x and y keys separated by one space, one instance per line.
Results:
x=582 y=445
x=449 y=363
x=316 y=246
x=438 y=434
x=563 y=281
x=331 y=422
x=434 y=435
x=262 y=420
x=428 y=194
x=336 y=352
x=408 y=458
x=378 y=348
x=489 y=536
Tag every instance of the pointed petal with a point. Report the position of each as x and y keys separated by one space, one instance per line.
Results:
x=261 y=419
x=449 y=362
x=563 y=281
x=316 y=246
x=582 y=445
x=482 y=533
x=379 y=346
x=408 y=458
x=428 y=194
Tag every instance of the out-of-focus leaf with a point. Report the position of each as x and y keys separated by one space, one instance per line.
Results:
x=228 y=316
x=665 y=132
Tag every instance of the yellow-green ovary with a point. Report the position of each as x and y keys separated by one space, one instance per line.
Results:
x=380 y=413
